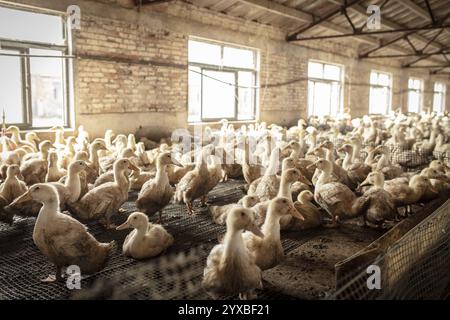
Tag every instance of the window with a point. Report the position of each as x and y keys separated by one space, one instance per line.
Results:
x=33 y=69
x=324 y=89
x=439 y=97
x=415 y=95
x=380 y=93
x=222 y=82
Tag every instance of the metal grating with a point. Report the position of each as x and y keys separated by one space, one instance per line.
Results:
x=22 y=265
x=415 y=267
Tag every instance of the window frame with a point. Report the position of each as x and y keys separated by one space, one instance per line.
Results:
x=389 y=87
x=419 y=91
x=340 y=82
x=24 y=46
x=442 y=93
x=224 y=68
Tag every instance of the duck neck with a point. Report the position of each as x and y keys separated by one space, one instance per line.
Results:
x=73 y=184
x=232 y=241
x=272 y=169
x=348 y=160
x=93 y=157
x=329 y=155
x=141 y=231
x=48 y=210
x=323 y=178
x=383 y=162
x=44 y=154
x=161 y=173
x=15 y=137
x=285 y=188
x=271 y=226
x=369 y=158
x=356 y=151
x=120 y=177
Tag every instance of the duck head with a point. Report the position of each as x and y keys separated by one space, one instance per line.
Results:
x=45 y=145
x=283 y=206
x=14 y=171
x=41 y=192
x=323 y=165
x=249 y=201
x=78 y=166
x=135 y=220
x=375 y=178
x=243 y=219
x=305 y=196
x=32 y=136
x=124 y=164
x=346 y=148
x=166 y=158
x=421 y=184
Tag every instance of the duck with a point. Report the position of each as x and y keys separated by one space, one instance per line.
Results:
x=357 y=172
x=381 y=205
x=66 y=156
x=385 y=166
x=215 y=175
x=194 y=184
x=250 y=170
x=230 y=267
x=267 y=186
x=93 y=162
x=267 y=249
x=176 y=173
x=334 y=197
x=410 y=193
x=103 y=201
x=156 y=193
x=54 y=173
x=30 y=138
x=147 y=240
x=311 y=213
x=69 y=189
x=59 y=137
x=219 y=213
x=12 y=187
x=63 y=239
x=35 y=170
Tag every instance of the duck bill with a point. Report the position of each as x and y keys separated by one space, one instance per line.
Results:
x=311 y=166
x=304 y=180
x=365 y=183
x=294 y=212
x=23 y=198
x=176 y=163
x=123 y=226
x=133 y=167
x=253 y=228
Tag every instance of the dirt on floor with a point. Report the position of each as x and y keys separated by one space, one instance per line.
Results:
x=308 y=271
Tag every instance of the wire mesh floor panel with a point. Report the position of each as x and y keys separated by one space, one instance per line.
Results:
x=22 y=265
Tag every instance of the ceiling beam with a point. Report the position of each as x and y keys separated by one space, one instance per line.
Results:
x=304 y=17
x=359 y=9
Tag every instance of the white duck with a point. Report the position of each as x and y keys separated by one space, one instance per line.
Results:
x=146 y=240
x=230 y=267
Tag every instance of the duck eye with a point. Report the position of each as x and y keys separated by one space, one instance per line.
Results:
x=134 y=218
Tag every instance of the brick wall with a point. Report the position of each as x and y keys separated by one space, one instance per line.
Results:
x=131 y=69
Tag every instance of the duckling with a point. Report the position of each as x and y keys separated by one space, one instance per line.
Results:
x=230 y=267
x=63 y=239
x=219 y=213
x=105 y=200
x=382 y=206
x=268 y=250
x=54 y=173
x=157 y=193
x=12 y=187
x=195 y=183
x=146 y=240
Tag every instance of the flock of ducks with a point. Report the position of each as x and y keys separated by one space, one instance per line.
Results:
x=311 y=175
